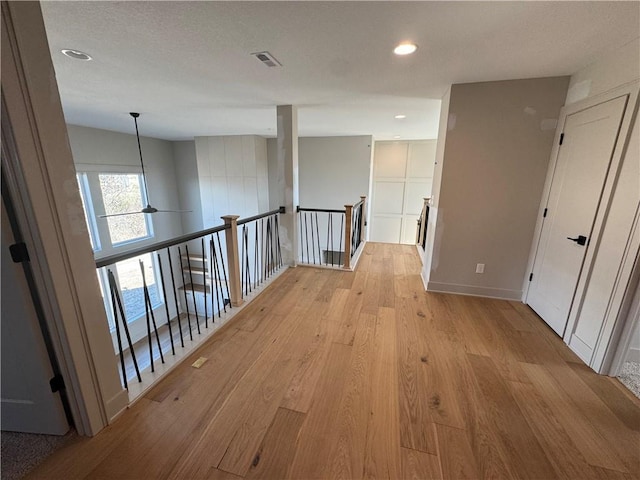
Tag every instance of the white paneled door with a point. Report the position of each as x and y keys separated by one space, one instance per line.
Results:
x=28 y=404
x=581 y=168
x=402 y=177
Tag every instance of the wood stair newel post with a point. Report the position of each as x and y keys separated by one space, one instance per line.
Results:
x=233 y=260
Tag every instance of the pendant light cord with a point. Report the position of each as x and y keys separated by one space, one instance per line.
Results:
x=144 y=177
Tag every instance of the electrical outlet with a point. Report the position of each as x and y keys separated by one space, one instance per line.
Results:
x=480 y=268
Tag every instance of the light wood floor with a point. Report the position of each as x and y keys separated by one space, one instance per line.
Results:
x=333 y=374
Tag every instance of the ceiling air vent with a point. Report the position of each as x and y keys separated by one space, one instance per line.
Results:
x=268 y=59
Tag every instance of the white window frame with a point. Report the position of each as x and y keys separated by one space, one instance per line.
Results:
x=90 y=185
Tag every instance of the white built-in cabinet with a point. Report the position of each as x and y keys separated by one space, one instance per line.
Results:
x=402 y=178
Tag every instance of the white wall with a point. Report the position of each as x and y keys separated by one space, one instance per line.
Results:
x=184 y=157
x=93 y=148
x=232 y=174
x=613 y=69
x=432 y=247
x=488 y=183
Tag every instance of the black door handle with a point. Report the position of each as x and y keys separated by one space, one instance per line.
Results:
x=581 y=240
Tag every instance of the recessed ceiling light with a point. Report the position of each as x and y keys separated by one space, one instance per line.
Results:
x=405 y=48
x=396 y=136
x=76 y=54
x=400 y=117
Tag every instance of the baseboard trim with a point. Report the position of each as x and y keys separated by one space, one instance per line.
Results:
x=499 y=293
x=150 y=379
x=633 y=355
x=581 y=349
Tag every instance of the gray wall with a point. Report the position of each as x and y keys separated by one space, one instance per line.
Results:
x=184 y=156
x=333 y=171
x=488 y=183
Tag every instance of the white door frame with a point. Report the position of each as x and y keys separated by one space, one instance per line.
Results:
x=38 y=167
x=602 y=352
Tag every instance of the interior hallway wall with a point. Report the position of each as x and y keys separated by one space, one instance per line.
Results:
x=488 y=183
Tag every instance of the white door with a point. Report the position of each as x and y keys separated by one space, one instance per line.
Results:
x=28 y=404
x=581 y=168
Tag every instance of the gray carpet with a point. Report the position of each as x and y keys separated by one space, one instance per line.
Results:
x=630 y=377
x=23 y=451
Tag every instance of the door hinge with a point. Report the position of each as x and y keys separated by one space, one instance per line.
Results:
x=544 y=214
x=56 y=383
x=561 y=138
x=530 y=276
x=19 y=252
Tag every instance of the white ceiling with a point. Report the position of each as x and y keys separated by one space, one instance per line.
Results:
x=186 y=65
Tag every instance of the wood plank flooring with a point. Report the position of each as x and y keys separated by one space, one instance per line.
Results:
x=332 y=374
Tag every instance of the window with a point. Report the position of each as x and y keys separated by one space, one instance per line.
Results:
x=130 y=279
x=114 y=193
x=124 y=193
x=87 y=206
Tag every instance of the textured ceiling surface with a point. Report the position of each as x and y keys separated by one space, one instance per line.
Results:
x=186 y=66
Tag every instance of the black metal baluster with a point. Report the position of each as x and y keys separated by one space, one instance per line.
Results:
x=318 y=240
x=218 y=281
x=340 y=246
x=125 y=326
x=242 y=272
x=245 y=232
x=278 y=250
x=166 y=303
x=263 y=249
x=118 y=338
x=224 y=271
x=204 y=280
x=301 y=241
x=267 y=250
x=256 y=272
x=193 y=288
x=313 y=241
x=214 y=279
x=272 y=263
x=306 y=236
x=332 y=247
x=175 y=296
x=261 y=253
x=329 y=224
x=147 y=298
x=146 y=311
x=186 y=298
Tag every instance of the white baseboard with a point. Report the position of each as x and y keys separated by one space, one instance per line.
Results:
x=149 y=379
x=580 y=348
x=633 y=355
x=499 y=293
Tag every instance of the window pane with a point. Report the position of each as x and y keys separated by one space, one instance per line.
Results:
x=84 y=195
x=121 y=193
x=130 y=280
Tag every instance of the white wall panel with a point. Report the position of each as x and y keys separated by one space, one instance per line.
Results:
x=386 y=229
x=388 y=198
x=390 y=159
x=403 y=175
x=233 y=155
